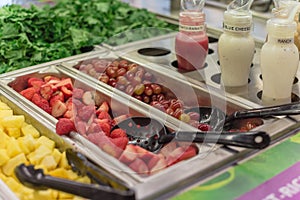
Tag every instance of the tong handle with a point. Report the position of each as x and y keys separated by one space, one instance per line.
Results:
x=35 y=178
x=284 y=109
x=252 y=139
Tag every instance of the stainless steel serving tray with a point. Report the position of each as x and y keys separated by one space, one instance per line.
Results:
x=180 y=175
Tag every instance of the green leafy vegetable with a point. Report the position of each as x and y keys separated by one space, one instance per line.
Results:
x=30 y=36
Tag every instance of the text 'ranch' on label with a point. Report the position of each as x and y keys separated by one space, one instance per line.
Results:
x=236 y=28
x=285 y=185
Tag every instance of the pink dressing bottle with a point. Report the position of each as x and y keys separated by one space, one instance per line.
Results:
x=191 y=43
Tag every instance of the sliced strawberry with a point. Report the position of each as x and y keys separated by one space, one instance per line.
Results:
x=139 y=166
x=64 y=126
x=129 y=154
x=58 y=95
x=58 y=109
x=41 y=102
x=28 y=93
x=168 y=148
x=173 y=157
x=46 y=91
x=160 y=165
x=189 y=152
x=67 y=93
x=67 y=82
x=109 y=147
x=86 y=112
x=49 y=78
x=96 y=138
x=105 y=127
x=69 y=104
x=104 y=115
x=32 y=79
x=36 y=85
x=77 y=104
x=120 y=142
x=120 y=118
x=153 y=161
x=81 y=127
x=69 y=114
x=94 y=128
x=78 y=93
x=103 y=107
x=118 y=133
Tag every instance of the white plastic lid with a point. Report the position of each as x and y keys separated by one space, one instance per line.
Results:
x=281 y=27
x=235 y=18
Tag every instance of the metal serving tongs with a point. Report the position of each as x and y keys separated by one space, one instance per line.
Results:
x=107 y=187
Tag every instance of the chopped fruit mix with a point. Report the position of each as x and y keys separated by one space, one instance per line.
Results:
x=21 y=142
x=76 y=111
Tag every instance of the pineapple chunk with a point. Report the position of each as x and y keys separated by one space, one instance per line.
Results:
x=5 y=113
x=4 y=106
x=13 y=147
x=3 y=156
x=64 y=161
x=49 y=162
x=45 y=141
x=15 y=121
x=3 y=139
x=83 y=179
x=72 y=175
x=59 y=172
x=13 y=184
x=64 y=195
x=27 y=143
x=14 y=132
x=43 y=194
x=56 y=155
x=30 y=130
x=9 y=167
x=36 y=156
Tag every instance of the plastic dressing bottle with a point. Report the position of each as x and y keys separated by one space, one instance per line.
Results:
x=236 y=46
x=279 y=55
x=191 y=43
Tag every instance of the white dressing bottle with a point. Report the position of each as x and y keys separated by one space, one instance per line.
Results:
x=236 y=45
x=279 y=55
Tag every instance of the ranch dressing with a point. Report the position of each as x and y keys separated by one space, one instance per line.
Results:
x=279 y=55
x=236 y=45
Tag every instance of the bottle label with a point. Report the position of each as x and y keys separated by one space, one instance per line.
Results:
x=189 y=28
x=281 y=40
x=231 y=28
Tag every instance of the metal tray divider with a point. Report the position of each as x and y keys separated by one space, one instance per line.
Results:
x=24 y=71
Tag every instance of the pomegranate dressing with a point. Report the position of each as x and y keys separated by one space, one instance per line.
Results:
x=191 y=43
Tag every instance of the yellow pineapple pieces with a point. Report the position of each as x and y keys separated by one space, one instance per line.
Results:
x=8 y=168
x=3 y=139
x=46 y=142
x=27 y=143
x=13 y=147
x=49 y=162
x=3 y=156
x=4 y=106
x=28 y=129
x=56 y=155
x=64 y=161
x=5 y=113
x=15 y=121
x=13 y=132
x=36 y=156
x=43 y=194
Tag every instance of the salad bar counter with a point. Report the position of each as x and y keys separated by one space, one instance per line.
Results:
x=122 y=121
